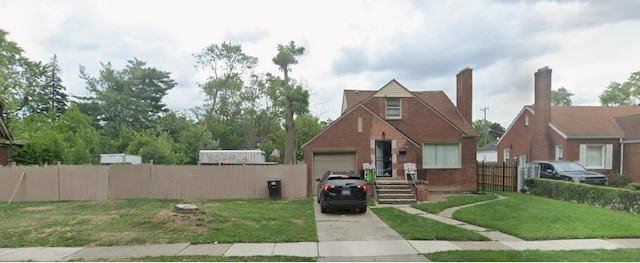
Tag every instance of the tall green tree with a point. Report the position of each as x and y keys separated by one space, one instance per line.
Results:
x=229 y=66
x=307 y=126
x=285 y=58
x=487 y=131
x=20 y=80
x=130 y=97
x=561 y=97
x=622 y=94
x=56 y=95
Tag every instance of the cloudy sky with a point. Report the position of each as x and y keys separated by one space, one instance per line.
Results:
x=349 y=44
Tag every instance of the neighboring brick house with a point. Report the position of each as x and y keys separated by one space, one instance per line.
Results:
x=606 y=139
x=5 y=139
x=392 y=126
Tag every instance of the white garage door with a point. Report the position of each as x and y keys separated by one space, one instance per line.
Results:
x=323 y=162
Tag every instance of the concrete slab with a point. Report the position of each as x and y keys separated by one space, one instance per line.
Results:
x=472 y=227
x=398 y=258
x=157 y=250
x=39 y=253
x=424 y=246
x=625 y=242
x=352 y=226
x=575 y=244
x=94 y=253
x=533 y=245
x=480 y=245
x=365 y=248
x=4 y=251
x=499 y=236
x=301 y=249
x=245 y=249
x=445 y=220
x=205 y=249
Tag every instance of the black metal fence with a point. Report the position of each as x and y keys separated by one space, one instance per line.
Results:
x=497 y=176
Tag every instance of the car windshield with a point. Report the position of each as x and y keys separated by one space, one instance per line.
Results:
x=568 y=167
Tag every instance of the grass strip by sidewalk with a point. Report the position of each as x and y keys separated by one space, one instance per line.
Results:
x=153 y=221
x=536 y=218
x=414 y=227
x=453 y=201
x=600 y=255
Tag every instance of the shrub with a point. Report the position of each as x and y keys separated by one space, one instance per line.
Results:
x=633 y=186
x=602 y=196
x=617 y=180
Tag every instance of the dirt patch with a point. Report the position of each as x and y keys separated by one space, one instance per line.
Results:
x=191 y=222
x=37 y=208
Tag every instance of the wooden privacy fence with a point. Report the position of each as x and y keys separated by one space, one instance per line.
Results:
x=497 y=176
x=96 y=182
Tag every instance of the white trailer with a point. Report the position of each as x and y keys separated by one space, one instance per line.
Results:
x=120 y=158
x=231 y=157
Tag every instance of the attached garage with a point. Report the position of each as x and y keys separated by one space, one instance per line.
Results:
x=323 y=162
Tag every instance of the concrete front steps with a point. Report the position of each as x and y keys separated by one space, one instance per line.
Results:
x=394 y=191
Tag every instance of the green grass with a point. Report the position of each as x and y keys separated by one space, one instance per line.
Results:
x=414 y=227
x=618 y=255
x=205 y=258
x=452 y=201
x=150 y=221
x=535 y=218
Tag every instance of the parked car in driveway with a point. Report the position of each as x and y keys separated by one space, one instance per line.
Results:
x=569 y=171
x=342 y=190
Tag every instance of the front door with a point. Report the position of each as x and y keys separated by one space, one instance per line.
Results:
x=383 y=159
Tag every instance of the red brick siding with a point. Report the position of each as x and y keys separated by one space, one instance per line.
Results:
x=418 y=122
x=4 y=155
x=517 y=138
x=631 y=162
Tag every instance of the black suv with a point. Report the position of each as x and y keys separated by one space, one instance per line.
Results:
x=342 y=190
x=569 y=171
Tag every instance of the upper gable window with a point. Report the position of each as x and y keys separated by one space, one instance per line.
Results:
x=393 y=108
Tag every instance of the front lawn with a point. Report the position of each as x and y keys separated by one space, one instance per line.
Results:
x=452 y=201
x=414 y=227
x=536 y=218
x=153 y=221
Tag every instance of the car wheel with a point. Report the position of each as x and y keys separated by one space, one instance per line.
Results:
x=323 y=210
x=362 y=209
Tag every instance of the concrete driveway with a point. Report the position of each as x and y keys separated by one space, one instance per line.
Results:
x=349 y=236
x=352 y=226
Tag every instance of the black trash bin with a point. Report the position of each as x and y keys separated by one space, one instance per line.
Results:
x=275 y=188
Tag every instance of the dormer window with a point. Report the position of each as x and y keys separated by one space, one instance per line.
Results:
x=393 y=108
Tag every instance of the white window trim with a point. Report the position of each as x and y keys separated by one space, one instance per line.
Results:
x=457 y=166
x=559 y=152
x=386 y=107
x=505 y=155
x=607 y=156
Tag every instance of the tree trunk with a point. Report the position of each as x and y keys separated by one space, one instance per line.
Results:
x=290 y=135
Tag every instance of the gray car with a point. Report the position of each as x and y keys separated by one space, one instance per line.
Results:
x=569 y=171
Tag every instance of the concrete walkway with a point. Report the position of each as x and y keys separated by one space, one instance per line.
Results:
x=393 y=249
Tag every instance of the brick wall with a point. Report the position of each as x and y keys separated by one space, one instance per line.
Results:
x=631 y=162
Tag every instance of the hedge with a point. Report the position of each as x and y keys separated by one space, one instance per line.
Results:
x=601 y=196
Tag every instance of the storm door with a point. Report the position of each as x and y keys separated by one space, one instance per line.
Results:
x=383 y=159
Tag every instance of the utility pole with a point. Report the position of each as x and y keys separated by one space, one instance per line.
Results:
x=484 y=125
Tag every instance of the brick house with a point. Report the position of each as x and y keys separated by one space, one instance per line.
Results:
x=605 y=139
x=5 y=139
x=392 y=126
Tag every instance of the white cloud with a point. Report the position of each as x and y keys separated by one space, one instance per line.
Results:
x=349 y=44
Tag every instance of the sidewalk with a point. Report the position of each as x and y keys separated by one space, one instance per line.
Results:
x=396 y=250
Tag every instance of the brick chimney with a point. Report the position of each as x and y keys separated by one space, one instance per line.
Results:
x=464 y=93
x=540 y=144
